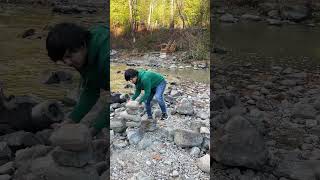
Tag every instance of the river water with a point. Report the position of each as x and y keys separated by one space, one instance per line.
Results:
x=256 y=41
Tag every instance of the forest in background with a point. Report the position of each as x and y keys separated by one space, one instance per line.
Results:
x=144 y=25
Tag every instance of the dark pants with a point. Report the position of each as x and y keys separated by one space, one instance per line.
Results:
x=158 y=92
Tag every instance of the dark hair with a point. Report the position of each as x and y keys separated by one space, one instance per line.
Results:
x=130 y=73
x=65 y=36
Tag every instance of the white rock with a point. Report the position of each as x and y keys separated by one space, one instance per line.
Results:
x=204 y=163
x=204 y=130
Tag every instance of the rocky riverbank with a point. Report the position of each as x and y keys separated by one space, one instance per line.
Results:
x=265 y=120
x=272 y=13
x=179 y=149
x=177 y=60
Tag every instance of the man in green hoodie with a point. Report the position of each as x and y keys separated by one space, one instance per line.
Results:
x=153 y=84
x=88 y=52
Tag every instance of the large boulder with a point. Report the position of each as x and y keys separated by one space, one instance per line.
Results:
x=295 y=13
x=185 y=107
x=24 y=156
x=5 y=153
x=45 y=168
x=187 y=138
x=238 y=143
x=299 y=170
x=46 y=113
x=72 y=137
x=305 y=111
x=71 y=159
x=20 y=139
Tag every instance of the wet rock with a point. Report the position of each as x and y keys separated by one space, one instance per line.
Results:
x=16 y=112
x=251 y=17
x=5 y=177
x=28 y=33
x=105 y=175
x=46 y=113
x=240 y=144
x=101 y=167
x=311 y=123
x=71 y=159
x=72 y=137
x=299 y=170
x=5 y=153
x=20 y=139
x=274 y=22
x=45 y=167
x=295 y=13
x=57 y=77
x=288 y=82
x=64 y=9
x=24 y=155
x=44 y=136
x=7 y=168
x=266 y=7
x=186 y=138
x=100 y=149
x=274 y=14
x=219 y=50
x=185 y=107
x=304 y=111
x=228 y=18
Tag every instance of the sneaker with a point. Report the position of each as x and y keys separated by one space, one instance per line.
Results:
x=164 y=116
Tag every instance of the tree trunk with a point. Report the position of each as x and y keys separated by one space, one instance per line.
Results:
x=150 y=14
x=164 y=13
x=172 y=15
x=132 y=4
x=180 y=11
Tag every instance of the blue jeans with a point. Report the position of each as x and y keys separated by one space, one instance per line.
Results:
x=158 y=92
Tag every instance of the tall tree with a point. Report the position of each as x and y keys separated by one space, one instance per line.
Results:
x=180 y=7
x=132 y=18
x=172 y=15
x=151 y=7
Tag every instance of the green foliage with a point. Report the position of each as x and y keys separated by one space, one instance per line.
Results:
x=196 y=12
x=119 y=12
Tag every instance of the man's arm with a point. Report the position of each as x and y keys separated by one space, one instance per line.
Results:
x=88 y=99
x=147 y=90
x=136 y=94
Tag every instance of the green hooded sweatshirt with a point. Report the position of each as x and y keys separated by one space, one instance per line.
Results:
x=95 y=75
x=147 y=80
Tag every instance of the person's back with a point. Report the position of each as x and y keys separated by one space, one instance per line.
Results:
x=88 y=52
